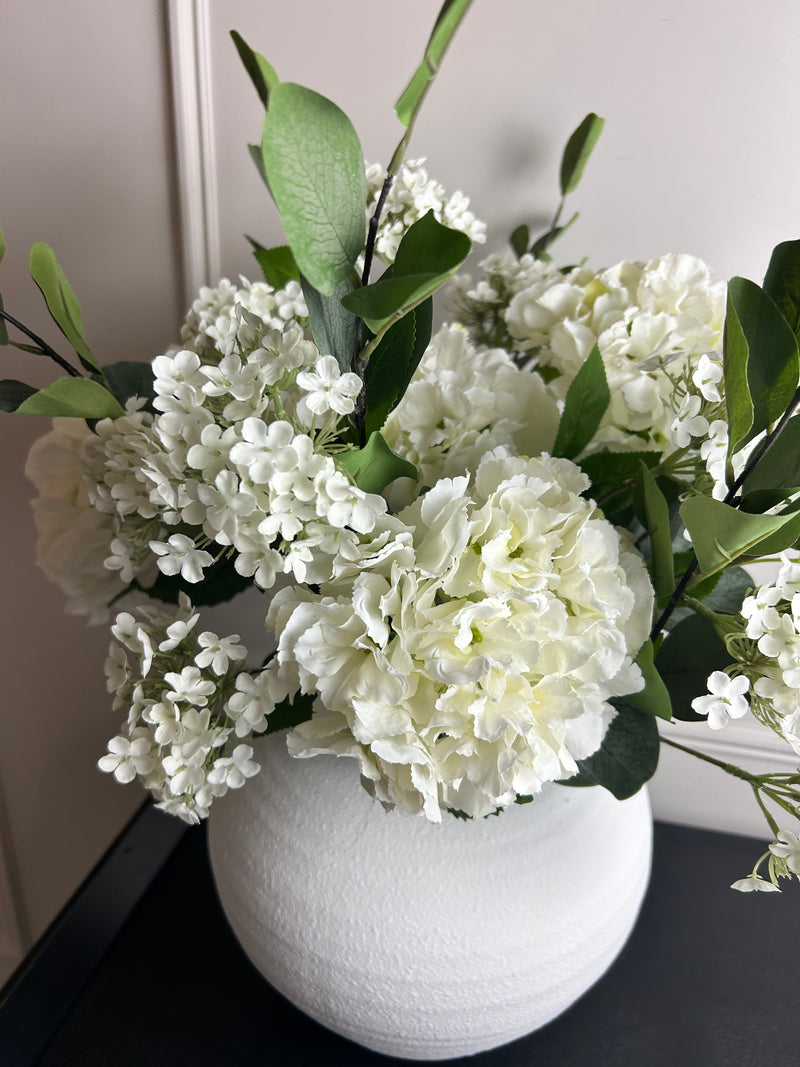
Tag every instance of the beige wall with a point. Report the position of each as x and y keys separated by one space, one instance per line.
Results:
x=700 y=154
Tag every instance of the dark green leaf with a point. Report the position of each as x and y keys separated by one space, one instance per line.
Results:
x=768 y=347
x=262 y=74
x=782 y=282
x=519 y=240
x=13 y=393
x=290 y=713
x=691 y=651
x=447 y=22
x=335 y=329
x=128 y=379
x=658 y=526
x=257 y=157
x=541 y=244
x=392 y=364
x=277 y=264
x=221 y=582
x=428 y=255
x=733 y=585
x=375 y=466
x=721 y=533
x=654 y=698
x=738 y=402
x=784 y=537
x=73 y=397
x=780 y=467
x=315 y=166
x=61 y=301
x=579 y=148
x=607 y=470
x=587 y=399
x=627 y=758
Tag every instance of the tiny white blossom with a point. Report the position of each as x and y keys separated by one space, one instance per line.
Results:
x=219 y=652
x=179 y=555
x=787 y=848
x=725 y=699
x=327 y=389
x=755 y=884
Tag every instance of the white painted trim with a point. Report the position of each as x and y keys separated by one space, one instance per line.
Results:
x=192 y=97
x=745 y=742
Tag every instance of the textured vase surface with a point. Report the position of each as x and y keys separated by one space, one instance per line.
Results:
x=418 y=940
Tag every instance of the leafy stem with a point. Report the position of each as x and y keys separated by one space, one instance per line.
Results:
x=47 y=350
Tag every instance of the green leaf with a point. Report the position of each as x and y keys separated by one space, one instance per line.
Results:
x=315 y=166
x=290 y=713
x=780 y=467
x=658 y=526
x=127 y=379
x=539 y=247
x=391 y=366
x=654 y=698
x=277 y=264
x=13 y=393
x=447 y=22
x=257 y=157
x=721 y=533
x=579 y=148
x=782 y=282
x=335 y=329
x=61 y=301
x=374 y=466
x=73 y=397
x=609 y=469
x=768 y=348
x=691 y=651
x=262 y=74
x=738 y=402
x=519 y=240
x=627 y=758
x=587 y=399
x=428 y=255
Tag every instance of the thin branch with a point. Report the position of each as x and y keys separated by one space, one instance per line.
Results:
x=47 y=349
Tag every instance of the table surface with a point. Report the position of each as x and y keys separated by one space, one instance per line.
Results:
x=141 y=969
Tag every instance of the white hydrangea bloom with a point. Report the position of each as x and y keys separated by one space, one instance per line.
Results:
x=464 y=401
x=411 y=196
x=482 y=666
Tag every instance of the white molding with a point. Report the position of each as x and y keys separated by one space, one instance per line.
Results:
x=192 y=99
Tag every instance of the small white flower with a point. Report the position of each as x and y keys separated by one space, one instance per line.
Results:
x=787 y=848
x=707 y=377
x=726 y=699
x=179 y=555
x=327 y=389
x=128 y=757
x=219 y=652
x=752 y=883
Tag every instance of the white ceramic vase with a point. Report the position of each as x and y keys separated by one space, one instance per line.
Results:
x=418 y=940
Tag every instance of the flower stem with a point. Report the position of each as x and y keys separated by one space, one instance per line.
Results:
x=47 y=350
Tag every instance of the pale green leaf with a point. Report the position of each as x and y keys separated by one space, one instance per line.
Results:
x=61 y=300
x=72 y=397
x=315 y=167
x=335 y=329
x=447 y=22
x=375 y=465
x=721 y=533
x=277 y=264
x=654 y=698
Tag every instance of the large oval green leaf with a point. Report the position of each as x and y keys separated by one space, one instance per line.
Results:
x=73 y=397
x=315 y=168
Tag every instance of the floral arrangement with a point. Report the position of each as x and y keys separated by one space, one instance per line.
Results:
x=491 y=557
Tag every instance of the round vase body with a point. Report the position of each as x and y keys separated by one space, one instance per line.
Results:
x=419 y=940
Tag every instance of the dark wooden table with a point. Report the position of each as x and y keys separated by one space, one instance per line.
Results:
x=141 y=969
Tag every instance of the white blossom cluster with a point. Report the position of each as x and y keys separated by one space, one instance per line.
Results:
x=651 y=321
x=190 y=709
x=464 y=401
x=412 y=195
x=480 y=664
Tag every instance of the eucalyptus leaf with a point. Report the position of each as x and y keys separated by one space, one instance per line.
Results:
x=392 y=364
x=519 y=240
x=691 y=651
x=771 y=359
x=428 y=255
x=658 y=526
x=13 y=393
x=61 y=301
x=627 y=758
x=654 y=698
x=262 y=74
x=315 y=167
x=721 y=533
x=257 y=157
x=128 y=379
x=447 y=22
x=576 y=154
x=72 y=397
x=335 y=329
x=375 y=466
x=277 y=264
x=586 y=402
x=782 y=282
